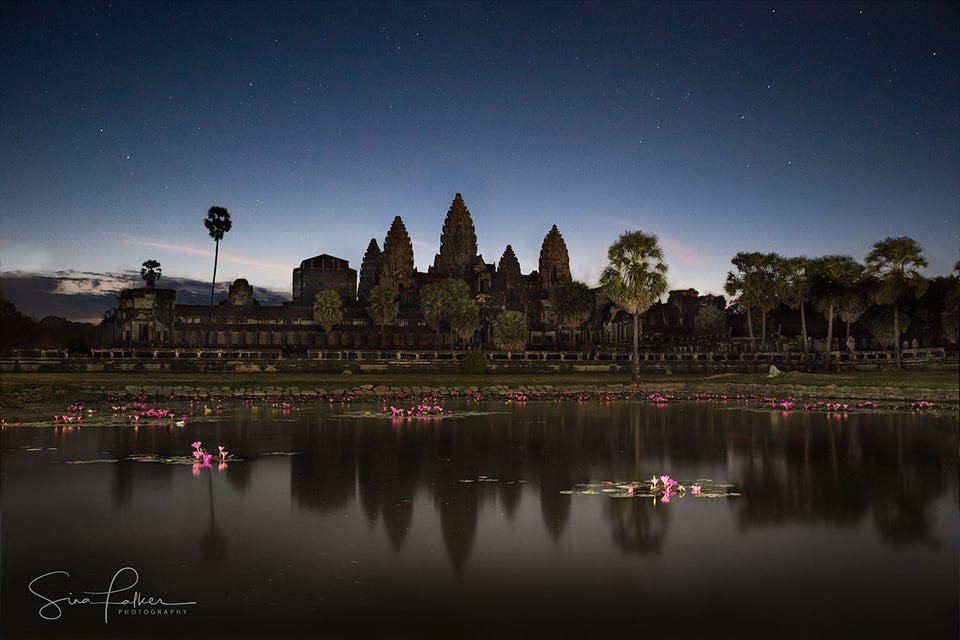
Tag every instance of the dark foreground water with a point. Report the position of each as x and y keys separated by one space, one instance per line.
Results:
x=494 y=523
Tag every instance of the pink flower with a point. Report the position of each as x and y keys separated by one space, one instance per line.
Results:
x=196 y=445
x=695 y=489
x=198 y=454
x=196 y=470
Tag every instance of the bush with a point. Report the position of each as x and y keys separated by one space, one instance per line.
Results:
x=474 y=361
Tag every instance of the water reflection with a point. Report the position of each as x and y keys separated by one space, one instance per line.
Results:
x=479 y=505
x=844 y=470
x=789 y=467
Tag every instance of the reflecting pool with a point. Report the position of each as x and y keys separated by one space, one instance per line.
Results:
x=497 y=521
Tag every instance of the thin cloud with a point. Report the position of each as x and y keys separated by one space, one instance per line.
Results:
x=197 y=251
x=672 y=247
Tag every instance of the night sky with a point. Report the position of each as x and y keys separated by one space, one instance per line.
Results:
x=805 y=129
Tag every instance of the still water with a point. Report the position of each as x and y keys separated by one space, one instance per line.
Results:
x=493 y=522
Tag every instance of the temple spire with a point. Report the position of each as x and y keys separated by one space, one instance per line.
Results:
x=458 y=243
x=554 y=260
x=397 y=269
x=370 y=270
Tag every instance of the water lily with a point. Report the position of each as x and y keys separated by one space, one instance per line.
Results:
x=695 y=489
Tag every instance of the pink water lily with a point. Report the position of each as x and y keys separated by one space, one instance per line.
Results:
x=695 y=489
x=196 y=445
x=667 y=481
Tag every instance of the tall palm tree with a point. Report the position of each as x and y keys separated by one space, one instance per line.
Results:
x=217 y=223
x=896 y=262
x=635 y=279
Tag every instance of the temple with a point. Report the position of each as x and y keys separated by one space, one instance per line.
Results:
x=151 y=316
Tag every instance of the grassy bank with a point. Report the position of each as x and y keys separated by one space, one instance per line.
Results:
x=940 y=380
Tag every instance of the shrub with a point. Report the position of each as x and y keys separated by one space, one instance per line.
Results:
x=474 y=361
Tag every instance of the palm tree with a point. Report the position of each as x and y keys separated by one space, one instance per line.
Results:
x=857 y=298
x=794 y=280
x=383 y=306
x=896 y=262
x=217 y=223
x=755 y=286
x=432 y=302
x=634 y=280
x=150 y=271
x=448 y=302
x=832 y=278
x=327 y=309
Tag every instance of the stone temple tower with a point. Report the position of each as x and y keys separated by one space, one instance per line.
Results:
x=458 y=243
x=554 y=260
x=370 y=270
x=396 y=259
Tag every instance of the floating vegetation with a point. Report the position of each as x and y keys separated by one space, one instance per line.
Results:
x=483 y=479
x=660 y=489
x=416 y=411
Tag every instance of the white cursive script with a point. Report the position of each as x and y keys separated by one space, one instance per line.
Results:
x=51 y=609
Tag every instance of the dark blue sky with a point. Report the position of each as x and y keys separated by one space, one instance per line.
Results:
x=805 y=129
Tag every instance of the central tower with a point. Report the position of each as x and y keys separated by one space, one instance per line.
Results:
x=458 y=243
